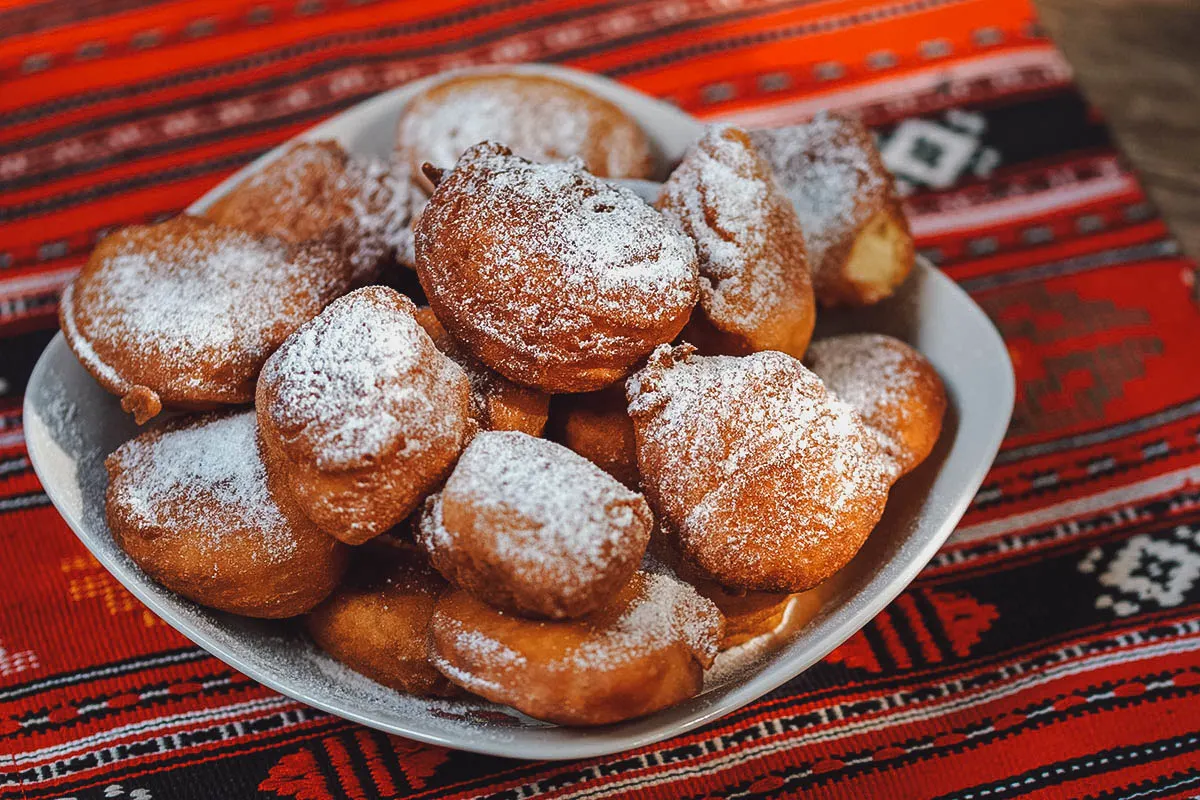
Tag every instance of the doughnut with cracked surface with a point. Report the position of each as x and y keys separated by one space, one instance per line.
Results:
x=318 y=191
x=362 y=415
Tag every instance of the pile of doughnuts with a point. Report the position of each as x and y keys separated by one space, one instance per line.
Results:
x=600 y=451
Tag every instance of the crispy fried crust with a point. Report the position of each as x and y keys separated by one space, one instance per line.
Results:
x=597 y=426
x=317 y=191
x=534 y=528
x=763 y=480
x=497 y=403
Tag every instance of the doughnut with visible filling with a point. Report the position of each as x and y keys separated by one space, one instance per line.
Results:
x=192 y=505
x=755 y=289
x=181 y=315
x=758 y=475
x=596 y=426
x=540 y=118
x=644 y=650
x=859 y=244
x=550 y=276
x=497 y=403
x=896 y=390
x=318 y=191
x=361 y=414
x=533 y=528
x=377 y=621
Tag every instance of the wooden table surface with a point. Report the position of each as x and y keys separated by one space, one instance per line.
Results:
x=1138 y=61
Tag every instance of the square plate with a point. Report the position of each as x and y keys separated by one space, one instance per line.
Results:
x=71 y=424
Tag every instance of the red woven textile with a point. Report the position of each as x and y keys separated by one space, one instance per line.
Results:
x=1050 y=649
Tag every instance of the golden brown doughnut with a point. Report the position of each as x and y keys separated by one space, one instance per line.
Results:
x=497 y=403
x=645 y=650
x=533 y=528
x=361 y=415
x=540 y=118
x=547 y=274
x=191 y=504
x=597 y=426
x=858 y=240
x=896 y=390
x=317 y=191
x=762 y=479
x=755 y=289
x=182 y=315
x=377 y=621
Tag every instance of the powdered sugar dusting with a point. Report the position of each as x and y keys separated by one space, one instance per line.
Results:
x=830 y=172
x=663 y=611
x=576 y=259
x=718 y=199
x=182 y=298
x=315 y=188
x=210 y=471
x=544 y=121
x=721 y=422
x=81 y=347
x=864 y=370
x=576 y=518
x=666 y=609
x=872 y=373
x=345 y=379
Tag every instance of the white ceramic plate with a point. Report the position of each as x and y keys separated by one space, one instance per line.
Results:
x=71 y=424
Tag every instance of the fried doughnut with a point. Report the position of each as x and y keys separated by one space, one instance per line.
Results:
x=547 y=274
x=761 y=478
x=191 y=504
x=858 y=240
x=755 y=289
x=645 y=650
x=533 y=528
x=540 y=118
x=896 y=390
x=362 y=415
x=183 y=314
x=377 y=621
x=597 y=426
x=497 y=403
x=317 y=191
